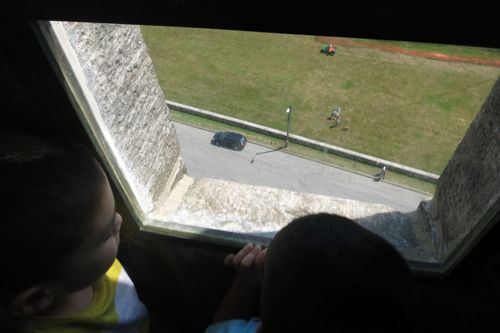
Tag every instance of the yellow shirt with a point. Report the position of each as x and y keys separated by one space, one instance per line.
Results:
x=115 y=308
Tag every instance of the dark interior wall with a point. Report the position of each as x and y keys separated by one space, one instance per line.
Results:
x=468 y=300
x=31 y=97
x=461 y=23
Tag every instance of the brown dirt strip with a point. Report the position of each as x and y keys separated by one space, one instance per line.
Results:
x=413 y=53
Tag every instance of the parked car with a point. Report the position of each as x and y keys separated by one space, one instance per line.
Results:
x=229 y=139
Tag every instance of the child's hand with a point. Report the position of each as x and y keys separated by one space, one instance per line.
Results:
x=239 y=299
x=248 y=263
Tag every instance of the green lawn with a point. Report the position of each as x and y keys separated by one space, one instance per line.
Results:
x=411 y=111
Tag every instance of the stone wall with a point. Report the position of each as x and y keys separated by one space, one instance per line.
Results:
x=469 y=188
x=263 y=211
x=115 y=84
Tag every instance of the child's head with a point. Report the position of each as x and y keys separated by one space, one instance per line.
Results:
x=326 y=273
x=59 y=225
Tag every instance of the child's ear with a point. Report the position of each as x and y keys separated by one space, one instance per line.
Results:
x=30 y=301
x=260 y=329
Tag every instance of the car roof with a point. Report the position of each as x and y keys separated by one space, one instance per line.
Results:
x=233 y=135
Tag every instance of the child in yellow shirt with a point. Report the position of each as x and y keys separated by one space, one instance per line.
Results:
x=60 y=240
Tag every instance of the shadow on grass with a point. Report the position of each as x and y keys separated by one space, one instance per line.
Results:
x=266 y=152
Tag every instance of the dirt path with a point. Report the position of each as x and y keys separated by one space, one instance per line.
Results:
x=413 y=53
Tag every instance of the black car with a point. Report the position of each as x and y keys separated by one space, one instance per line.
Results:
x=229 y=139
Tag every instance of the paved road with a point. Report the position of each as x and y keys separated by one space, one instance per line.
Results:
x=264 y=166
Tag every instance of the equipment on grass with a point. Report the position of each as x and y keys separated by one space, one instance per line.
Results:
x=328 y=49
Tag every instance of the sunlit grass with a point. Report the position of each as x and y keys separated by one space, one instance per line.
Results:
x=411 y=111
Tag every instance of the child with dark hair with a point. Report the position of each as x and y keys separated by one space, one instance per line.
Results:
x=60 y=237
x=322 y=273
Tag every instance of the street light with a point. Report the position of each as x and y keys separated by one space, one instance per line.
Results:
x=289 y=111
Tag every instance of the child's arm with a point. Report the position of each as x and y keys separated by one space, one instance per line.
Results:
x=237 y=303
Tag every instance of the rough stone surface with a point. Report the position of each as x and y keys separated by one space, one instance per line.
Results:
x=120 y=75
x=263 y=211
x=470 y=184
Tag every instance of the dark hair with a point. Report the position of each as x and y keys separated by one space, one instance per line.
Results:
x=50 y=192
x=326 y=273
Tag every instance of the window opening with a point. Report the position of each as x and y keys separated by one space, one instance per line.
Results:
x=124 y=110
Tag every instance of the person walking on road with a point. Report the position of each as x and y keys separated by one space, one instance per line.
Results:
x=382 y=173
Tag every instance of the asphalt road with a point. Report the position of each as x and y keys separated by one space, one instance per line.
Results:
x=264 y=166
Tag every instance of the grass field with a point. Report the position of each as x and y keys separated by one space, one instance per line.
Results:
x=411 y=111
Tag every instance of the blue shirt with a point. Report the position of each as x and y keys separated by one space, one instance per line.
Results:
x=235 y=326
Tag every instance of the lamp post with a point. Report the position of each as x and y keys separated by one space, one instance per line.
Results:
x=289 y=111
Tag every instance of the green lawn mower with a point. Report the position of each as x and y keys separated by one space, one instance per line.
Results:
x=328 y=49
